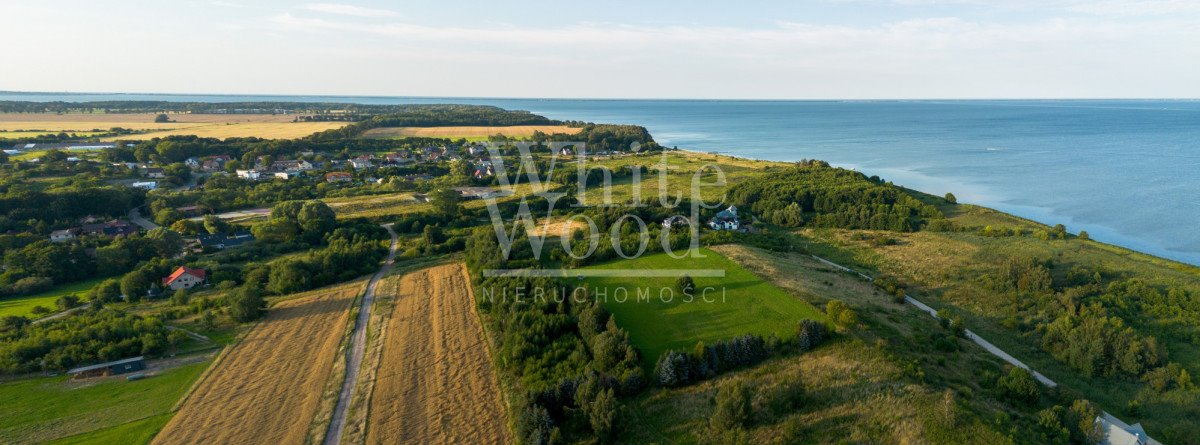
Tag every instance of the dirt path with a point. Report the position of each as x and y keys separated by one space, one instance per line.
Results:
x=435 y=382
x=358 y=344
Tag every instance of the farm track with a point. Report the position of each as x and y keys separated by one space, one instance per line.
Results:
x=435 y=382
x=358 y=346
x=267 y=388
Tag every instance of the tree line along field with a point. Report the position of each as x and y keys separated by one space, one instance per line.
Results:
x=434 y=382
x=742 y=304
x=267 y=387
x=469 y=132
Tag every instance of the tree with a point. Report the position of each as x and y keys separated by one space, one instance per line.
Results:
x=246 y=304
x=684 y=284
x=135 y=284
x=733 y=407
x=841 y=314
x=315 y=219
x=446 y=202
x=168 y=243
x=950 y=198
x=67 y=302
x=215 y=225
x=180 y=297
x=811 y=334
x=161 y=119
x=1083 y=235
x=106 y=292
x=603 y=414
x=1019 y=386
x=288 y=277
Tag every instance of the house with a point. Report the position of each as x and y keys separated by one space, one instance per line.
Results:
x=184 y=278
x=291 y=166
x=113 y=229
x=726 y=220
x=362 y=161
x=676 y=221
x=223 y=241
x=1117 y=432
x=338 y=177
x=252 y=175
x=397 y=159
x=284 y=175
x=154 y=173
x=132 y=364
x=148 y=185
x=65 y=235
x=192 y=163
x=214 y=163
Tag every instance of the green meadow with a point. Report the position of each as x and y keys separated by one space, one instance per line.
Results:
x=47 y=408
x=23 y=305
x=738 y=303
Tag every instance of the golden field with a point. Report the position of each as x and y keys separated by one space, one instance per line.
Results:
x=267 y=387
x=278 y=126
x=516 y=131
x=434 y=382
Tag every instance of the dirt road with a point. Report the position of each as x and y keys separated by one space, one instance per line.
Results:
x=358 y=344
x=435 y=382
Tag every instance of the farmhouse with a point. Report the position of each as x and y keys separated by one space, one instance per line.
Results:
x=338 y=177
x=153 y=173
x=726 y=220
x=148 y=185
x=184 y=278
x=252 y=175
x=114 y=228
x=1117 y=432
x=62 y=236
x=132 y=364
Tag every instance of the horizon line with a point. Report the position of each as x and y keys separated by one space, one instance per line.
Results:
x=697 y=99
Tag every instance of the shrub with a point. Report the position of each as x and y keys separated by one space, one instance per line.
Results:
x=733 y=407
x=684 y=284
x=786 y=397
x=1019 y=386
x=106 y=292
x=246 y=304
x=32 y=285
x=66 y=302
x=602 y=415
x=673 y=369
x=811 y=334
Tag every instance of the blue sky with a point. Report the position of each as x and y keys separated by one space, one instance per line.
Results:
x=854 y=49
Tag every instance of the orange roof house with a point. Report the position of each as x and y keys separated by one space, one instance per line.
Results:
x=184 y=278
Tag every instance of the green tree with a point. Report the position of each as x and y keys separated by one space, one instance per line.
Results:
x=67 y=302
x=215 y=225
x=180 y=297
x=685 y=284
x=603 y=414
x=1019 y=386
x=288 y=277
x=446 y=202
x=315 y=218
x=168 y=243
x=106 y=292
x=162 y=118
x=733 y=407
x=951 y=198
x=246 y=304
x=1083 y=235
x=135 y=284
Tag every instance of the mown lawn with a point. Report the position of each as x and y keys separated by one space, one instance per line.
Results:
x=739 y=303
x=23 y=305
x=136 y=432
x=48 y=408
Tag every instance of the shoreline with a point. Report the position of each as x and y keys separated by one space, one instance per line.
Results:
x=1125 y=250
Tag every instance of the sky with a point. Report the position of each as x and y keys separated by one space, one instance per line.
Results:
x=820 y=49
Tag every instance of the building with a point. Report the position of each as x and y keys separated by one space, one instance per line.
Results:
x=154 y=173
x=132 y=364
x=114 y=228
x=252 y=175
x=338 y=177
x=184 y=278
x=223 y=241
x=726 y=220
x=1117 y=432
x=65 y=235
x=363 y=161
x=291 y=166
x=192 y=163
x=148 y=185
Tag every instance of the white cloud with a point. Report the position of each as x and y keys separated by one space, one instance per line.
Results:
x=351 y=10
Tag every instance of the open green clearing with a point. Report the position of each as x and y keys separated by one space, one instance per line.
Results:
x=46 y=408
x=138 y=431
x=740 y=303
x=23 y=306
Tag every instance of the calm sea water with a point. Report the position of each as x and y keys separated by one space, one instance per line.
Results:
x=1127 y=171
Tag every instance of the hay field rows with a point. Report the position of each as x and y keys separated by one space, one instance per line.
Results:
x=267 y=387
x=516 y=131
x=267 y=126
x=435 y=382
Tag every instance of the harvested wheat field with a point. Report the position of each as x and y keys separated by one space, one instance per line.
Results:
x=267 y=387
x=268 y=126
x=265 y=130
x=516 y=131
x=435 y=382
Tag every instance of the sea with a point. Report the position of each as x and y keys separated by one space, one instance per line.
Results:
x=1126 y=171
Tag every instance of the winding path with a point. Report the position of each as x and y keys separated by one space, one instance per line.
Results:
x=358 y=346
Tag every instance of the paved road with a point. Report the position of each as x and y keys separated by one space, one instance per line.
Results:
x=358 y=346
x=135 y=216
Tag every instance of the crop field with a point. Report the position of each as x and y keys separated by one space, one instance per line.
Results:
x=435 y=381
x=41 y=409
x=682 y=169
x=23 y=305
x=377 y=205
x=32 y=134
x=515 y=131
x=206 y=125
x=738 y=303
x=267 y=387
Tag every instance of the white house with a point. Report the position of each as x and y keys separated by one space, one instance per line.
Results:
x=62 y=236
x=184 y=278
x=148 y=185
x=726 y=220
x=1117 y=432
x=252 y=175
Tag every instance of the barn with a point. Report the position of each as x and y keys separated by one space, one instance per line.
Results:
x=122 y=366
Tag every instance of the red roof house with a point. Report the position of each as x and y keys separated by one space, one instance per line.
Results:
x=184 y=278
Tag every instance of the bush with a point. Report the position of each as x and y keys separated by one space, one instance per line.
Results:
x=811 y=334
x=685 y=285
x=246 y=304
x=32 y=285
x=672 y=369
x=67 y=302
x=786 y=397
x=1019 y=386
x=107 y=291
x=733 y=407
x=841 y=314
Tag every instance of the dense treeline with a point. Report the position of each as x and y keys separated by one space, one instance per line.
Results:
x=813 y=194
x=24 y=208
x=93 y=336
x=38 y=265
x=435 y=116
x=133 y=106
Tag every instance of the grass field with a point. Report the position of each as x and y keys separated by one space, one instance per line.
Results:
x=741 y=303
x=516 y=131
x=377 y=205
x=23 y=306
x=47 y=408
x=267 y=387
x=435 y=381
